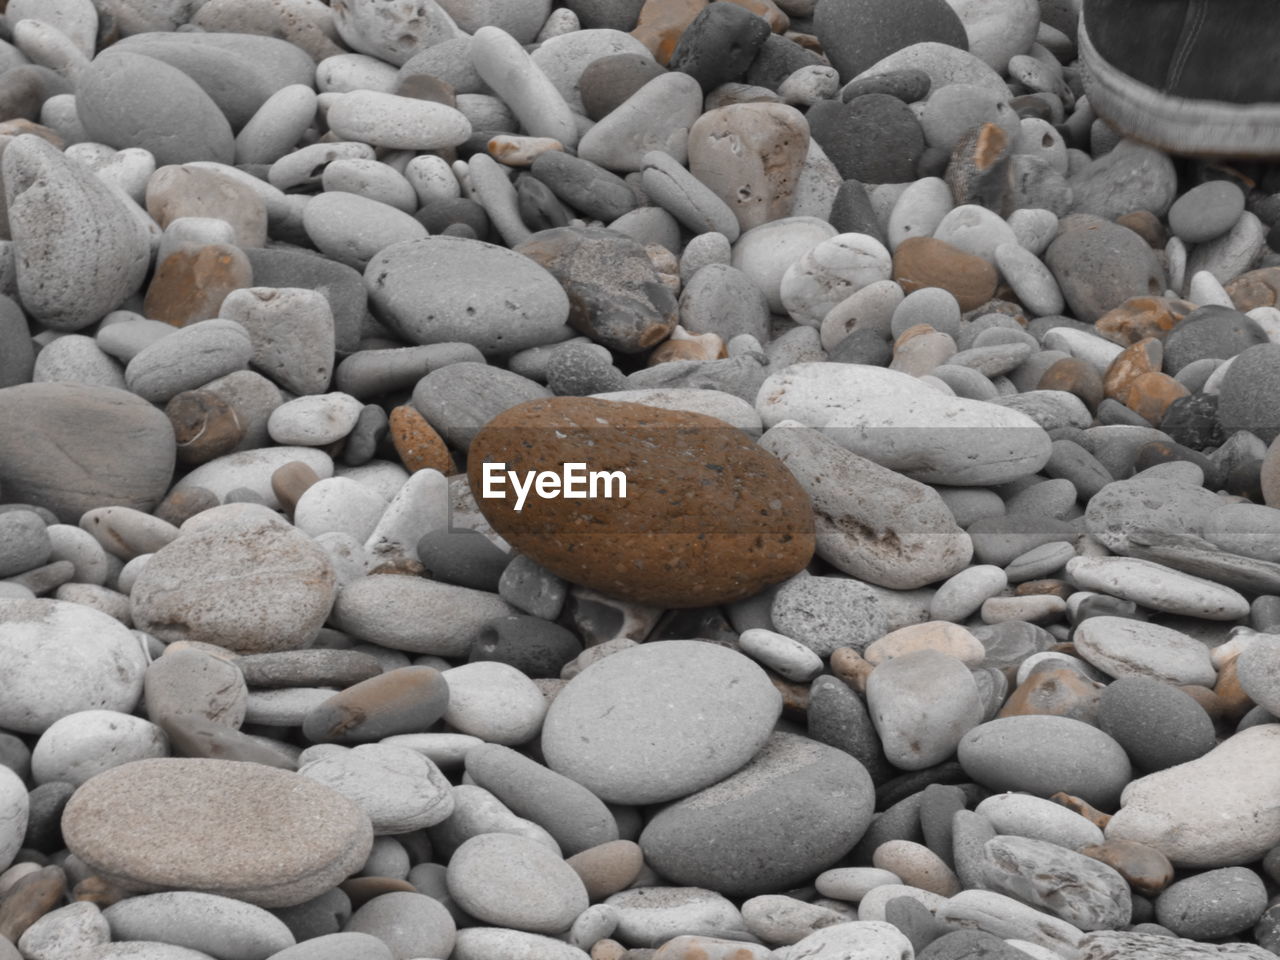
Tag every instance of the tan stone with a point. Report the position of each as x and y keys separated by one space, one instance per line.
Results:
x=1270 y=475
x=518 y=151
x=750 y=155
x=1146 y=869
x=265 y=836
x=360 y=890
x=192 y=282
x=709 y=517
x=921 y=262
x=849 y=666
x=1141 y=317
x=30 y=899
x=178 y=191
x=1235 y=702
x=917 y=865
x=1257 y=288
x=940 y=635
x=607 y=868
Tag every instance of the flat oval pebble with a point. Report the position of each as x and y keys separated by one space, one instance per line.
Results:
x=1157 y=586
x=200 y=921
x=696 y=559
x=1042 y=873
x=735 y=837
x=436 y=290
x=302 y=839
x=398 y=789
x=514 y=882
x=1044 y=755
x=601 y=732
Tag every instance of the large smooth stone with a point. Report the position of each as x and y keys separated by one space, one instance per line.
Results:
x=922 y=703
x=59 y=658
x=74 y=447
x=79 y=251
x=707 y=516
x=515 y=882
x=252 y=587
x=241 y=830
x=1122 y=647
x=793 y=811
x=1044 y=755
x=127 y=100
x=199 y=921
x=1215 y=811
x=602 y=729
x=897 y=421
x=442 y=290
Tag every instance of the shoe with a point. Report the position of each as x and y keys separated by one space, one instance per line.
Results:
x=1193 y=77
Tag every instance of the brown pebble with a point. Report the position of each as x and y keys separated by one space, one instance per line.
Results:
x=423 y=86
x=1210 y=702
x=192 y=282
x=19 y=126
x=1073 y=375
x=1146 y=225
x=204 y=425
x=1257 y=288
x=849 y=666
x=360 y=890
x=419 y=445
x=30 y=899
x=1144 y=356
x=661 y=23
x=778 y=21
x=1089 y=812
x=607 y=950
x=1152 y=393
x=183 y=504
x=99 y=891
x=1052 y=588
x=1057 y=693
x=795 y=696
x=1146 y=869
x=1141 y=317
x=607 y=868
x=921 y=262
x=290 y=482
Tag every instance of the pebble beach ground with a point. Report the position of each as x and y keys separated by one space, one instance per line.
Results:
x=917 y=594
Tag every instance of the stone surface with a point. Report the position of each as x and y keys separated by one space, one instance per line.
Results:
x=601 y=732
x=1219 y=794
x=281 y=855
x=515 y=882
x=787 y=814
x=687 y=551
x=81 y=251
x=1085 y=892
x=252 y=587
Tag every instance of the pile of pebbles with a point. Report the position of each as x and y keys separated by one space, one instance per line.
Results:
x=942 y=616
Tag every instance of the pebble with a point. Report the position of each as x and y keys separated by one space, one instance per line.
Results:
x=517 y=883
x=1157 y=587
x=252 y=586
x=1218 y=792
x=200 y=921
x=290 y=859
x=629 y=756
x=403 y=924
x=397 y=788
x=1043 y=755
x=917 y=728
x=731 y=836
x=654 y=914
x=1023 y=815
x=1038 y=872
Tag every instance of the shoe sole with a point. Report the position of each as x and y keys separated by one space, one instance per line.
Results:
x=1200 y=128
